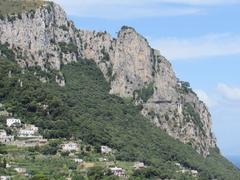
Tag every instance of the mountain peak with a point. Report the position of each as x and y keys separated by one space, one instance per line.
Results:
x=127 y=28
x=47 y=39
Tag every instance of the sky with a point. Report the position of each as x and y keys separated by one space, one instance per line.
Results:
x=201 y=38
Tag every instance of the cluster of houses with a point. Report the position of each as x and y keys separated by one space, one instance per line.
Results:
x=28 y=136
x=73 y=146
x=105 y=150
x=117 y=171
x=184 y=170
x=28 y=132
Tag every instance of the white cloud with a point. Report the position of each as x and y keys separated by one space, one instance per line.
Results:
x=231 y=93
x=124 y=9
x=120 y=9
x=203 y=96
x=199 y=47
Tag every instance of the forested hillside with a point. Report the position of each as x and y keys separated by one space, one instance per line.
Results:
x=83 y=109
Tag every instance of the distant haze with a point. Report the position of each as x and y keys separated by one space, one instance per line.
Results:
x=235 y=160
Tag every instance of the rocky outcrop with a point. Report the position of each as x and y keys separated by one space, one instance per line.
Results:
x=46 y=38
x=137 y=71
x=39 y=36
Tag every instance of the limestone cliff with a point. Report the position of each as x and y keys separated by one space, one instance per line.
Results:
x=44 y=37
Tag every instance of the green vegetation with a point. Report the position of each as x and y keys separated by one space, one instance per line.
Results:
x=68 y=47
x=9 y=7
x=105 y=54
x=145 y=93
x=37 y=165
x=185 y=87
x=84 y=109
x=191 y=115
x=5 y=51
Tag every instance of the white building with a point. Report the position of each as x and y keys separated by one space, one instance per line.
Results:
x=12 y=121
x=178 y=164
x=194 y=173
x=103 y=159
x=28 y=131
x=4 y=138
x=117 y=171
x=139 y=165
x=79 y=161
x=5 y=177
x=70 y=146
x=31 y=127
x=105 y=150
x=20 y=170
x=3 y=133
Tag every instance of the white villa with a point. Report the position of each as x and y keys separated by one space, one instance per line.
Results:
x=105 y=150
x=20 y=170
x=4 y=138
x=194 y=173
x=5 y=177
x=12 y=121
x=138 y=165
x=28 y=131
x=79 y=161
x=117 y=171
x=31 y=127
x=70 y=146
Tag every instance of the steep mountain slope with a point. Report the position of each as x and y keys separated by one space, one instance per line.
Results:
x=84 y=109
x=44 y=37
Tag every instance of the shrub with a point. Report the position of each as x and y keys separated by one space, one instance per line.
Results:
x=68 y=48
x=189 y=110
x=10 y=55
x=145 y=93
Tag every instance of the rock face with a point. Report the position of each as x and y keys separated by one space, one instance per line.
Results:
x=46 y=38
